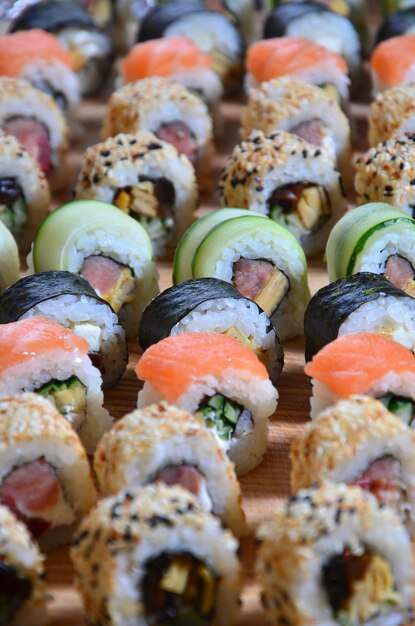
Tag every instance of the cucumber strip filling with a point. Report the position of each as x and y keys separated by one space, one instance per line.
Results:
x=404 y=408
x=302 y=207
x=261 y=281
x=69 y=397
x=15 y=589
x=13 y=212
x=179 y=589
x=227 y=417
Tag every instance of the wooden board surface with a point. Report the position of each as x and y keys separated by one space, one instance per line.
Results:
x=266 y=484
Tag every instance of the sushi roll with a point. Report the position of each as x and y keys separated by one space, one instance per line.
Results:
x=176 y=58
x=9 y=258
x=168 y=110
x=37 y=122
x=392 y=62
x=90 y=48
x=304 y=110
x=364 y=364
x=69 y=300
x=211 y=31
x=164 y=445
x=108 y=248
x=361 y=303
x=353 y=561
x=41 y=356
x=219 y=380
x=147 y=179
x=290 y=180
x=299 y=58
x=23 y=594
x=374 y=238
x=399 y=22
x=359 y=442
x=392 y=113
x=38 y=57
x=212 y=305
x=45 y=478
x=154 y=556
x=24 y=191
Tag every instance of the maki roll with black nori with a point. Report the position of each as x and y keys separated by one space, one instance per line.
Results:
x=70 y=300
x=398 y=23
x=363 y=302
x=212 y=305
x=210 y=30
x=90 y=48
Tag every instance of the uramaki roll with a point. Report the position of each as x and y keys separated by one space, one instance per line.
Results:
x=392 y=113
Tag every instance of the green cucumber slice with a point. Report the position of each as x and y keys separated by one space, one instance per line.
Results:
x=403 y=408
x=220 y=414
x=217 y=401
x=9 y=258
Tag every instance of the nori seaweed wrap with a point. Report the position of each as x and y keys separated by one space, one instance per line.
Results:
x=363 y=302
x=400 y=22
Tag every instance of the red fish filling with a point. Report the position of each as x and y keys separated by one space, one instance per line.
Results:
x=181 y=137
x=15 y=589
x=383 y=480
x=184 y=475
x=30 y=491
x=311 y=131
x=34 y=137
x=112 y=281
x=261 y=281
x=400 y=272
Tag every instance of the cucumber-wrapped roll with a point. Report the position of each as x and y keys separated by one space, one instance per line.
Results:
x=9 y=258
x=363 y=302
x=212 y=305
x=374 y=238
x=107 y=247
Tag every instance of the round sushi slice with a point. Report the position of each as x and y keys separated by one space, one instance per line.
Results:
x=363 y=302
x=168 y=110
x=37 y=122
x=392 y=62
x=353 y=561
x=374 y=238
x=358 y=441
x=154 y=556
x=45 y=478
x=365 y=364
x=219 y=380
x=147 y=179
x=212 y=305
x=9 y=258
x=162 y=444
x=38 y=57
x=42 y=356
x=107 y=247
x=23 y=597
x=69 y=300
x=392 y=113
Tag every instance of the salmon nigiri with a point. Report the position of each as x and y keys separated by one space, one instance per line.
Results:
x=366 y=363
x=218 y=379
x=393 y=62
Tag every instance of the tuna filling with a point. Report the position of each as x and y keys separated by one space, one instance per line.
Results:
x=181 y=137
x=179 y=589
x=383 y=479
x=12 y=205
x=150 y=202
x=227 y=417
x=400 y=272
x=112 y=281
x=359 y=586
x=69 y=397
x=404 y=408
x=34 y=137
x=261 y=281
x=187 y=477
x=15 y=589
x=301 y=207
x=312 y=131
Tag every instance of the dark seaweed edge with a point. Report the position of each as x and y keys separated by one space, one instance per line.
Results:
x=53 y=15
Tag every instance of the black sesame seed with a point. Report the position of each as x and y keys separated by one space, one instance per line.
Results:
x=105 y=153
x=317 y=153
x=95 y=568
x=305 y=154
x=114 y=511
x=83 y=535
x=133 y=142
x=128 y=536
x=259 y=188
x=108 y=163
x=96 y=179
x=388 y=188
x=128 y=497
x=401 y=166
x=157 y=520
x=338 y=516
x=154 y=146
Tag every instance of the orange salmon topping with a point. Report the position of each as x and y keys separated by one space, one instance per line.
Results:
x=351 y=364
x=30 y=338
x=281 y=56
x=163 y=57
x=393 y=58
x=23 y=47
x=174 y=363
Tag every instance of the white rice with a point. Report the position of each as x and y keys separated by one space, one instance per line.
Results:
x=380 y=247
x=61 y=78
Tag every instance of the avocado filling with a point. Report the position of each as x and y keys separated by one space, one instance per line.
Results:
x=248 y=342
x=13 y=212
x=261 y=281
x=15 y=589
x=301 y=207
x=69 y=397
x=229 y=418
x=400 y=272
x=359 y=586
x=331 y=92
x=179 y=589
x=404 y=408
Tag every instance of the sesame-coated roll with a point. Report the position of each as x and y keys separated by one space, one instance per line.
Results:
x=37 y=122
x=21 y=572
x=358 y=441
x=304 y=110
x=168 y=110
x=392 y=114
x=290 y=180
x=332 y=556
x=155 y=557
x=162 y=444
x=45 y=478
x=147 y=179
